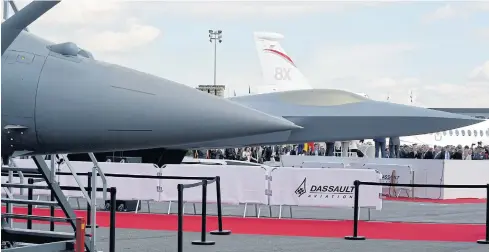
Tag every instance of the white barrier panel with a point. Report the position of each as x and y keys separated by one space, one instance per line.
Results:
x=315 y=164
x=132 y=188
x=69 y=180
x=14 y=191
x=465 y=172
x=27 y=163
x=323 y=187
x=239 y=184
x=425 y=171
x=127 y=188
x=397 y=174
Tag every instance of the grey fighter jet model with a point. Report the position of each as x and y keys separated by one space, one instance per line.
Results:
x=337 y=115
x=325 y=115
x=57 y=98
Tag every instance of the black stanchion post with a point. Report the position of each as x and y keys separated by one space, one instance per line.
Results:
x=30 y=192
x=486 y=241
x=180 y=218
x=113 y=200
x=355 y=214
x=51 y=212
x=204 y=218
x=89 y=191
x=219 y=231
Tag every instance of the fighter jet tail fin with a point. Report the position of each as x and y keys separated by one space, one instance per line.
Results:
x=14 y=25
x=279 y=71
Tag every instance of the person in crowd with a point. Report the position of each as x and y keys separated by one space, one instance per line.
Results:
x=467 y=153
x=394 y=146
x=330 y=149
x=379 y=147
x=262 y=154
x=444 y=154
x=429 y=154
x=293 y=151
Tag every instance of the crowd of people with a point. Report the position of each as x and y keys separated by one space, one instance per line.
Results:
x=356 y=148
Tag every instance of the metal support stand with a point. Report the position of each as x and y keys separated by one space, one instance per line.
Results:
x=10 y=207
x=219 y=211
x=93 y=212
x=53 y=179
x=355 y=214
x=102 y=175
x=89 y=191
x=58 y=194
x=203 y=231
x=486 y=240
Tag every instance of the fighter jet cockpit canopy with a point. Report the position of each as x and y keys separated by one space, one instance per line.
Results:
x=322 y=97
x=70 y=49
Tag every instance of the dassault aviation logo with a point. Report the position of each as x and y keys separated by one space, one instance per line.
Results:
x=320 y=191
x=301 y=190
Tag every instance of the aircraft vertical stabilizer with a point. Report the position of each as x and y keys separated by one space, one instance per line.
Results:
x=279 y=70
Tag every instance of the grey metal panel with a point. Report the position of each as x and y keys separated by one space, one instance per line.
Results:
x=20 y=75
x=23 y=69
x=47 y=247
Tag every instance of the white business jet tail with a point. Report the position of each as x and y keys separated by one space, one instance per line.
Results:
x=279 y=70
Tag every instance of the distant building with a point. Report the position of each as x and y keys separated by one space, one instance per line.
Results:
x=211 y=89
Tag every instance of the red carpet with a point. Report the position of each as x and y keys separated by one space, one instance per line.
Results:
x=285 y=227
x=439 y=201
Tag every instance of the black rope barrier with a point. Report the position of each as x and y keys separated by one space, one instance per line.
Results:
x=356 y=208
x=219 y=230
x=30 y=193
x=203 y=231
x=204 y=182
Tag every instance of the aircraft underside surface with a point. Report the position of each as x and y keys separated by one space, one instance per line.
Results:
x=158 y=156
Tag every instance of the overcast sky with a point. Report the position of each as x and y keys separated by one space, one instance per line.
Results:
x=440 y=50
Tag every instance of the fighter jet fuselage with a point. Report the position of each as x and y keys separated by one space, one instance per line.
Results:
x=56 y=98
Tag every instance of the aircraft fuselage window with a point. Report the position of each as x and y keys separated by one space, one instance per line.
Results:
x=456 y=132
x=450 y=132
x=463 y=132
x=481 y=133
x=444 y=133
x=475 y=133
x=469 y=132
x=487 y=132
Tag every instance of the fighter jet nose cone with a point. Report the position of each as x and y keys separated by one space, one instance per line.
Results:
x=223 y=118
x=453 y=120
x=256 y=121
x=418 y=120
